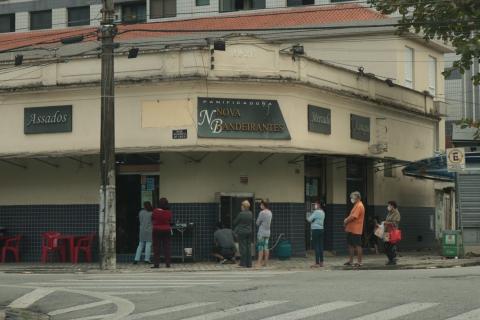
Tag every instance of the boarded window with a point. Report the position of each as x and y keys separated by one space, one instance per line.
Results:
x=408 y=66
x=163 y=9
x=79 y=16
x=7 y=23
x=41 y=20
x=432 y=76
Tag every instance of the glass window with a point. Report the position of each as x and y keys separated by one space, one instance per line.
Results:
x=134 y=12
x=199 y=3
x=7 y=23
x=409 y=67
x=79 y=16
x=163 y=8
x=237 y=5
x=41 y=20
x=297 y=3
x=432 y=75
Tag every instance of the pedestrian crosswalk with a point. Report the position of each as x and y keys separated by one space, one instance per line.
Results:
x=113 y=291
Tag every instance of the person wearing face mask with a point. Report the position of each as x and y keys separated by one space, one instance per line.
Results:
x=391 y=222
x=354 y=229
x=316 y=219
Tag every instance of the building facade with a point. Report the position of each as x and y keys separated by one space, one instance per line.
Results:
x=27 y=15
x=208 y=128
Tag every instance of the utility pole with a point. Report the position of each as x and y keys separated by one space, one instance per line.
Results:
x=107 y=223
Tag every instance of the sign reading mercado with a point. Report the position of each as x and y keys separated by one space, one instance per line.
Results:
x=241 y=119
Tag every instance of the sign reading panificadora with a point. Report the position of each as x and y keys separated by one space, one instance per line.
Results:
x=241 y=119
x=47 y=119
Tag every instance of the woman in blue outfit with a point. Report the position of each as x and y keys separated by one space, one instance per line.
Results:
x=316 y=219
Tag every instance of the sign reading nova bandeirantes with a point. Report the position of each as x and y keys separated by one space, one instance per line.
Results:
x=241 y=119
x=47 y=119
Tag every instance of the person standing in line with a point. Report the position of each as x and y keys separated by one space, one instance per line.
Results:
x=145 y=232
x=354 y=229
x=316 y=219
x=243 y=230
x=264 y=221
x=391 y=222
x=162 y=232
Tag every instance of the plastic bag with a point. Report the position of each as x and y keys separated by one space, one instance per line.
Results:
x=395 y=235
x=380 y=231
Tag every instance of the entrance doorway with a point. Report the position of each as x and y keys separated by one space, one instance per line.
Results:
x=315 y=189
x=132 y=191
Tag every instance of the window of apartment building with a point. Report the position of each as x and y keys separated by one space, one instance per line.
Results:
x=134 y=12
x=408 y=67
x=163 y=8
x=7 y=23
x=79 y=16
x=41 y=20
x=238 y=5
x=297 y=3
x=199 y=3
x=432 y=75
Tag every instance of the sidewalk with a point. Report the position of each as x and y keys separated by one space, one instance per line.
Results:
x=406 y=260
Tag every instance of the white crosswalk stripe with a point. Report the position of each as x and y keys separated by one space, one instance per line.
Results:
x=168 y=310
x=236 y=310
x=471 y=315
x=398 y=311
x=30 y=298
x=313 y=311
x=79 y=307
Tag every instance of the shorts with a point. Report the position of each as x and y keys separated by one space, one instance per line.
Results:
x=354 y=240
x=262 y=244
x=226 y=253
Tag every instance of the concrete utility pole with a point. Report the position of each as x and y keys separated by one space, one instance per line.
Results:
x=107 y=225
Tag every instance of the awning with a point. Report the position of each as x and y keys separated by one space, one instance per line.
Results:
x=436 y=167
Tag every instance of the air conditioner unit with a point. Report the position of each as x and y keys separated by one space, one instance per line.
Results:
x=378 y=148
x=440 y=108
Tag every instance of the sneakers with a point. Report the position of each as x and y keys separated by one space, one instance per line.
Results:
x=223 y=261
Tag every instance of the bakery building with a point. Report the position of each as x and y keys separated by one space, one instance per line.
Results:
x=207 y=129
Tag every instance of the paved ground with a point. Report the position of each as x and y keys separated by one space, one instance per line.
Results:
x=264 y=295
x=288 y=290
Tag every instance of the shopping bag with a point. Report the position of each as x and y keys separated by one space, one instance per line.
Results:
x=395 y=235
x=379 y=231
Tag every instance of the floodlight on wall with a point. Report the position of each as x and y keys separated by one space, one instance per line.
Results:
x=219 y=45
x=18 y=59
x=298 y=49
x=133 y=53
x=390 y=82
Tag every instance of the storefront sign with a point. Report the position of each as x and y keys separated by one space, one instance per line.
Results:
x=359 y=128
x=47 y=119
x=319 y=120
x=241 y=119
x=179 y=134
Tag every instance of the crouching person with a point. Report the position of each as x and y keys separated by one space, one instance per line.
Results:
x=224 y=249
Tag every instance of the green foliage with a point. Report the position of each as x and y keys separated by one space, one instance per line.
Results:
x=469 y=123
x=454 y=21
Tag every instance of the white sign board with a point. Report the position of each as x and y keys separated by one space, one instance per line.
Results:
x=455 y=159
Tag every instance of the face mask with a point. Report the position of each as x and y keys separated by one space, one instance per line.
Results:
x=389 y=208
x=352 y=200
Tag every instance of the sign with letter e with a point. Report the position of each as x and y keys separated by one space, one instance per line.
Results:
x=456 y=159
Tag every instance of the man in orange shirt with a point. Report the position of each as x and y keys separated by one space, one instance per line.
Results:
x=354 y=228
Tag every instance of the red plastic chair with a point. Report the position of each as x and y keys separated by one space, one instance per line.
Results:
x=12 y=244
x=51 y=243
x=84 y=244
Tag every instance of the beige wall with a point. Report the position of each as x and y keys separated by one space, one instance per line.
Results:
x=70 y=183
x=146 y=115
x=183 y=181
x=382 y=55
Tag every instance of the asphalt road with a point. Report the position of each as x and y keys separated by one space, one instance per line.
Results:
x=439 y=294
